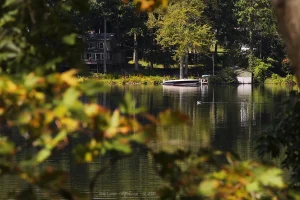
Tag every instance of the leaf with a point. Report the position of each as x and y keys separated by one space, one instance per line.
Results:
x=91 y=110
x=70 y=97
x=91 y=87
x=128 y=104
x=208 y=187
x=31 y=80
x=253 y=187
x=272 y=177
x=10 y=2
x=24 y=118
x=41 y=156
x=115 y=119
x=70 y=39
x=118 y=145
x=69 y=77
x=59 y=137
x=140 y=138
x=88 y=157
x=6 y=147
x=60 y=111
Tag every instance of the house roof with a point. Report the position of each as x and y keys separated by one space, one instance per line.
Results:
x=243 y=72
x=99 y=36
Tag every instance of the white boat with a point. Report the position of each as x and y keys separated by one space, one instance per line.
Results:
x=185 y=82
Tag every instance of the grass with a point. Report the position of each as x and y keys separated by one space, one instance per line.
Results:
x=145 y=64
x=127 y=75
x=117 y=79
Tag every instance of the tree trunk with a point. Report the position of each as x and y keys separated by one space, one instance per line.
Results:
x=260 y=49
x=167 y=61
x=186 y=63
x=152 y=54
x=215 y=57
x=135 y=54
x=288 y=18
x=105 y=48
x=216 y=48
x=250 y=59
x=213 y=63
x=181 y=67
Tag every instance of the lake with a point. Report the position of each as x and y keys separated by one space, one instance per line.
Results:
x=226 y=117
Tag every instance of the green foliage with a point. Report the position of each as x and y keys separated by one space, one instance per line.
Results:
x=286 y=66
x=204 y=176
x=225 y=76
x=276 y=79
x=283 y=137
x=257 y=30
x=29 y=38
x=248 y=12
x=261 y=69
x=182 y=27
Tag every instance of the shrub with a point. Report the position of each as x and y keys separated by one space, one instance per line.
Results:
x=276 y=79
x=260 y=69
x=227 y=76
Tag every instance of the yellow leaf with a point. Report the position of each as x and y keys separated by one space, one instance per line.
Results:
x=11 y=87
x=93 y=143
x=49 y=117
x=115 y=119
x=40 y=96
x=69 y=77
x=2 y=111
x=69 y=124
x=60 y=111
x=92 y=110
x=88 y=157
x=25 y=177
x=208 y=187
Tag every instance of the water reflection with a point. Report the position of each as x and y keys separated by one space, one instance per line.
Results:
x=229 y=118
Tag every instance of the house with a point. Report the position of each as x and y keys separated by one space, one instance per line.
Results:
x=244 y=76
x=93 y=54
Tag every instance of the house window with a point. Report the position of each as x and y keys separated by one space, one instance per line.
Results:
x=91 y=45
x=108 y=56
x=100 y=45
x=98 y=56
x=88 y=55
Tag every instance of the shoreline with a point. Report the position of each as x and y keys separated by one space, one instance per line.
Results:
x=140 y=79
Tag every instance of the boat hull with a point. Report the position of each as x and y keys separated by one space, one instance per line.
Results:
x=185 y=82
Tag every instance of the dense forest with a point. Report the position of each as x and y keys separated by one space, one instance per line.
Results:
x=212 y=35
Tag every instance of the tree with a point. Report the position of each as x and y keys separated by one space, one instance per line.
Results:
x=43 y=107
x=283 y=138
x=183 y=28
x=288 y=20
x=223 y=22
x=248 y=14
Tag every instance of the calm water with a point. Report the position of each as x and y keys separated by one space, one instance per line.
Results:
x=228 y=118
